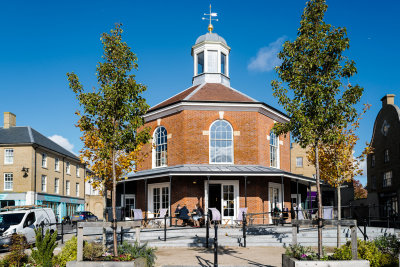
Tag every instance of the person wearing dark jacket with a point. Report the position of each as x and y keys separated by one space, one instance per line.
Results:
x=197 y=215
x=184 y=214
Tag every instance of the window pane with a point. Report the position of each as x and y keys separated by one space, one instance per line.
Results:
x=221 y=139
x=212 y=61
x=223 y=60
x=200 y=63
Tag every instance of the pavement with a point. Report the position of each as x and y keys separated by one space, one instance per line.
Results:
x=227 y=256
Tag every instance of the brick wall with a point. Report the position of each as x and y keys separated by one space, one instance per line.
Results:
x=188 y=141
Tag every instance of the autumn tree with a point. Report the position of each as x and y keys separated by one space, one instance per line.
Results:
x=359 y=191
x=113 y=111
x=314 y=68
x=337 y=162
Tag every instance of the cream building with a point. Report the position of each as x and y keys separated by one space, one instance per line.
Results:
x=37 y=171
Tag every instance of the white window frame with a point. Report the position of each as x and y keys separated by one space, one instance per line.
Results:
x=77 y=189
x=44 y=184
x=281 y=190
x=68 y=167
x=67 y=187
x=297 y=162
x=197 y=62
x=44 y=160
x=150 y=206
x=57 y=164
x=277 y=150
x=8 y=159
x=124 y=198
x=57 y=185
x=232 y=139
x=154 y=152
x=387 y=177
x=8 y=182
x=77 y=171
x=386 y=156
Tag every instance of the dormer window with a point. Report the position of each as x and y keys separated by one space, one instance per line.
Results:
x=200 y=63
x=223 y=63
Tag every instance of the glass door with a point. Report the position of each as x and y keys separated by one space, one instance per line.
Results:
x=228 y=202
x=274 y=200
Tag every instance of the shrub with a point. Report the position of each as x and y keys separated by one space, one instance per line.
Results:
x=136 y=251
x=366 y=250
x=17 y=256
x=301 y=253
x=43 y=254
x=68 y=253
x=388 y=244
x=92 y=251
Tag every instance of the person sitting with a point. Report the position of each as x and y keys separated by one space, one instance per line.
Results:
x=183 y=214
x=197 y=215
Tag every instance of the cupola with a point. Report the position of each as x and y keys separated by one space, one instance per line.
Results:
x=211 y=58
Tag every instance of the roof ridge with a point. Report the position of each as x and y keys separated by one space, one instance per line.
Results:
x=237 y=91
x=30 y=134
x=195 y=91
x=171 y=97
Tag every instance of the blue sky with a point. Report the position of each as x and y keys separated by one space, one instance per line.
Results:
x=43 y=40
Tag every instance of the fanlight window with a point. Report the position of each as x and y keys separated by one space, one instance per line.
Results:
x=160 y=141
x=221 y=142
x=273 y=150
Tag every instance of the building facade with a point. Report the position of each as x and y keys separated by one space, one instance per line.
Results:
x=37 y=171
x=213 y=145
x=383 y=166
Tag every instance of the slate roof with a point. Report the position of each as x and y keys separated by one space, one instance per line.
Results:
x=26 y=135
x=215 y=170
x=206 y=92
x=210 y=37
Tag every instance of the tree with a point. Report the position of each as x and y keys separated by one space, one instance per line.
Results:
x=337 y=162
x=359 y=191
x=112 y=113
x=313 y=68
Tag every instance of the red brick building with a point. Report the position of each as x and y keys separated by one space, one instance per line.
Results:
x=213 y=145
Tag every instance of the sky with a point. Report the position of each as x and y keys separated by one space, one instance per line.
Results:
x=43 y=40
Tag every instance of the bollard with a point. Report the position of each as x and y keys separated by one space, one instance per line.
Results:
x=244 y=229
x=122 y=235
x=207 y=228
x=365 y=230
x=62 y=233
x=216 y=245
x=165 y=228
x=76 y=229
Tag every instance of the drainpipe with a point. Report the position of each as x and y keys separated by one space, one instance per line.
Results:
x=34 y=175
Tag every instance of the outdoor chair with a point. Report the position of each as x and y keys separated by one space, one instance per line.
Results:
x=239 y=219
x=159 y=221
x=215 y=215
x=138 y=216
x=327 y=213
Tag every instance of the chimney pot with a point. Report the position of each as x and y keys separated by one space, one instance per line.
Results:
x=388 y=100
x=9 y=120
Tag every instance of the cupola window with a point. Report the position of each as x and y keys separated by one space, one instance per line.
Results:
x=223 y=63
x=200 y=63
x=221 y=142
x=160 y=151
x=212 y=61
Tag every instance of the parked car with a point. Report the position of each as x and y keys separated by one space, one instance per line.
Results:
x=25 y=221
x=83 y=216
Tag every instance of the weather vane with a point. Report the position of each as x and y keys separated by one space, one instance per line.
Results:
x=211 y=15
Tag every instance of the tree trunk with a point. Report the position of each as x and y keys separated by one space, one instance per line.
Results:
x=339 y=214
x=104 y=216
x=113 y=197
x=319 y=200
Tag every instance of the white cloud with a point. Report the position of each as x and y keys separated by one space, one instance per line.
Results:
x=62 y=141
x=267 y=57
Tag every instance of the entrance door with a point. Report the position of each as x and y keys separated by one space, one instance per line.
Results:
x=214 y=200
x=274 y=198
x=228 y=201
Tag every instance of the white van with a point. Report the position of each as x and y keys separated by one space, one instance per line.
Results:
x=25 y=221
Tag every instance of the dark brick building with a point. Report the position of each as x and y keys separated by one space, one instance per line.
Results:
x=213 y=145
x=384 y=164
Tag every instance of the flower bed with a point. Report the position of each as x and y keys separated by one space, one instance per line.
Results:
x=287 y=261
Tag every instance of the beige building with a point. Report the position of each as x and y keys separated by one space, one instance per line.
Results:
x=37 y=171
x=299 y=163
x=94 y=201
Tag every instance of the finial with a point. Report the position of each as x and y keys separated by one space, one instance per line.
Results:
x=210 y=26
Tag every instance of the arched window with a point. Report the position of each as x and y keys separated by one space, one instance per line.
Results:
x=160 y=150
x=221 y=142
x=274 y=150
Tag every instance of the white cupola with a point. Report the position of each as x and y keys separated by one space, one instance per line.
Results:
x=211 y=58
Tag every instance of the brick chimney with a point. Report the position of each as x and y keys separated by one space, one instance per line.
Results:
x=9 y=120
x=388 y=100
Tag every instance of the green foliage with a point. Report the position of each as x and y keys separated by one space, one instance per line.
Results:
x=138 y=251
x=366 y=250
x=43 y=254
x=17 y=256
x=301 y=252
x=92 y=251
x=68 y=253
x=388 y=244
